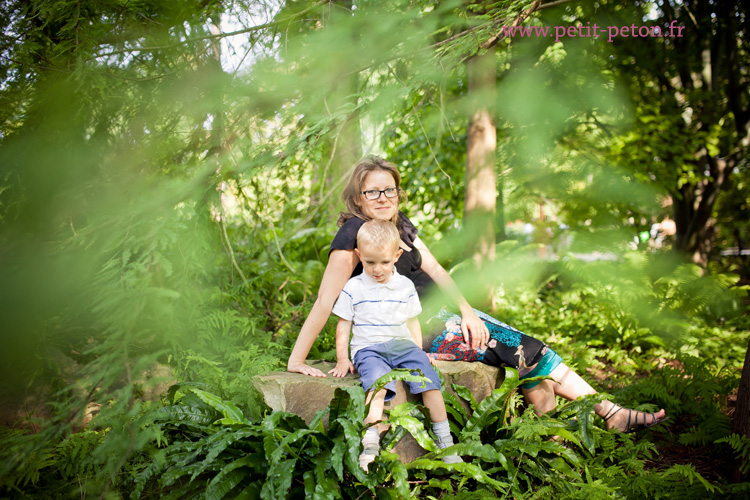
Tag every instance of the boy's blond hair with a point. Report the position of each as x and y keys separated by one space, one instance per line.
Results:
x=381 y=233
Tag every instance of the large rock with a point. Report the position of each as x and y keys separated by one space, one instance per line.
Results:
x=304 y=395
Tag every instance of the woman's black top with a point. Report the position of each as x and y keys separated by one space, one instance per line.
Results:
x=410 y=262
x=409 y=265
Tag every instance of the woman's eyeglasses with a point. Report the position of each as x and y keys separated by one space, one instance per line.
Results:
x=374 y=194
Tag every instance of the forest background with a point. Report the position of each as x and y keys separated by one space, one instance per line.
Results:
x=169 y=184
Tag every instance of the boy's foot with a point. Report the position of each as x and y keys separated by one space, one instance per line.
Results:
x=453 y=459
x=367 y=456
x=445 y=443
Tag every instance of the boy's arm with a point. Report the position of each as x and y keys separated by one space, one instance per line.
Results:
x=343 y=364
x=415 y=329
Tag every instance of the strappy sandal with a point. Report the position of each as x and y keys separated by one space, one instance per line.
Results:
x=633 y=424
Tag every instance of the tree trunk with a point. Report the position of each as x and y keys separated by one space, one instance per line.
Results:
x=692 y=239
x=344 y=145
x=500 y=209
x=693 y=210
x=211 y=195
x=217 y=86
x=481 y=192
x=741 y=419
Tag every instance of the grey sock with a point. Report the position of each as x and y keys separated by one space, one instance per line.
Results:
x=371 y=438
x=443 y=432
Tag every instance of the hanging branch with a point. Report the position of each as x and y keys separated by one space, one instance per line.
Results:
x=228 y=245
x=517 y=22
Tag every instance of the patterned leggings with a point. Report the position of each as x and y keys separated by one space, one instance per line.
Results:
x=450 y=346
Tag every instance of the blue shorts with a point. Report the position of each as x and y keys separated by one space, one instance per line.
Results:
x=376 y=360
x=546 y=365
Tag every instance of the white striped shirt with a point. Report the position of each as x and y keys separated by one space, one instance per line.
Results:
x=378 y=310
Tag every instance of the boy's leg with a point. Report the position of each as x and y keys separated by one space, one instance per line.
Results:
x=376 y=407
x=413 y=358
x=433 y=399
x=371 y=365
x=371 y=439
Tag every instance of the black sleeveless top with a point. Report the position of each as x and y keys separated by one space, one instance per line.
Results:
x=409 y=264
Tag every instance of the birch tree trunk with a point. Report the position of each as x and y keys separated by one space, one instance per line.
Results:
x=344 y=144
x=481 y=192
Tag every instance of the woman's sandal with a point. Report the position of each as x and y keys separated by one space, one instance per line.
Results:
x=633 y=424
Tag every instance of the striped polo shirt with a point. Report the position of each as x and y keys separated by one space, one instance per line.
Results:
x=378 y=310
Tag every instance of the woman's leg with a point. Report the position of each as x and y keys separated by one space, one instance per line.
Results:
x=569 y=385
x=542 y=396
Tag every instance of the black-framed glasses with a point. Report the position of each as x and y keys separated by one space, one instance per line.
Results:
x=374 y=194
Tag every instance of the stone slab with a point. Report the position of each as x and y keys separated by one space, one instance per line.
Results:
x=304 y=395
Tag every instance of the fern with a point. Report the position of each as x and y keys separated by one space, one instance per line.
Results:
x=741 y=447
x=688 y=473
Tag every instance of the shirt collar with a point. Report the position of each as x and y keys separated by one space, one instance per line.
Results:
x=371 y=283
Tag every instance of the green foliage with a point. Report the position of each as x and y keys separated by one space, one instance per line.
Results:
x=24 y=458
x=741 y=446
x=209 y=444
x=160 y=206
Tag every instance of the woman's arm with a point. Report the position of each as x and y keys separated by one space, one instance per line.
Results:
x=341 y=264
x=474 y=330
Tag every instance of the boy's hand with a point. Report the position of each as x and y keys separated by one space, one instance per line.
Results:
x=342 y=368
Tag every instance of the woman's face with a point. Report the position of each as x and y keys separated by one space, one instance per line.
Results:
x=383 y=208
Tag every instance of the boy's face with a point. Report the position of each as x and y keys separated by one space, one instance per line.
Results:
x=378 y=261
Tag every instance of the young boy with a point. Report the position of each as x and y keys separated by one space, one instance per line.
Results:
x=383 y=306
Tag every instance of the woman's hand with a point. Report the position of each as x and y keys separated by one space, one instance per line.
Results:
x=342 y=368
x=304 y=369
x=475 y=332
x=341 y=263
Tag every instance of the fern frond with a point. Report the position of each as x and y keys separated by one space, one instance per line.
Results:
x=741 y=446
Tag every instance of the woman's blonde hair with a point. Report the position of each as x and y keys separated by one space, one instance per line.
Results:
x=353 y=190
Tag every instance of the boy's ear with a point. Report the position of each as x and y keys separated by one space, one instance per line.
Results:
x=398 y=254
x=356 y=250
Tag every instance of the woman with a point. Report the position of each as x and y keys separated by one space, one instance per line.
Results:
x=373 y=192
